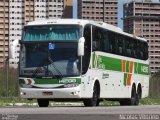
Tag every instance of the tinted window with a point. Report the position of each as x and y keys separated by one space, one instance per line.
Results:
x=87 y=48
x=111 y=42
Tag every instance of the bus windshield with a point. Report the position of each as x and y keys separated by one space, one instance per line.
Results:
x=37 y=60
x=51 y=33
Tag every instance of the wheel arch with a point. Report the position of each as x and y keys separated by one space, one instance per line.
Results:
x=96 y=82
x=98 y=85
x=132 y=85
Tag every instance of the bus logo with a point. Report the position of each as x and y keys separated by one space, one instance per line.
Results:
x=144 y=69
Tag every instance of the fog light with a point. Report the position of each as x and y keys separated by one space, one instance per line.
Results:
x=75 y=93
x=22 y=93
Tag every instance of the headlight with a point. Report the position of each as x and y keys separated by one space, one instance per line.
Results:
x=71 y=85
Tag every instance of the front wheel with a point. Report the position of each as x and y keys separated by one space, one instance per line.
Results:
x=43 y=102
x=94 y=101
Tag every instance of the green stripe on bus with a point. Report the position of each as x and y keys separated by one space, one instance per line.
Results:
x=109 y=63
x=57 y=81
x=46 y=81
x=53 y=81
x=125 y=79
x=135 y=67
x=102 y=62
x=143 y=69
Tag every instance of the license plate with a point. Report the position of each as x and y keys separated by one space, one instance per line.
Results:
x=47 y=93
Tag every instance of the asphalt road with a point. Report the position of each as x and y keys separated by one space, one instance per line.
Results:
x=150 y=112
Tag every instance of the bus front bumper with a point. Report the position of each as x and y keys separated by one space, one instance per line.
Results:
x=73 y=92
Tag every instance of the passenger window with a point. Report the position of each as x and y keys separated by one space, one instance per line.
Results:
x=141 y=51
x=112 y=43
x=145 y=51
x=119 y=46
x=138 y=50
x=98 y=39
x=106 y=41
x=134 y=49
x=128 y=48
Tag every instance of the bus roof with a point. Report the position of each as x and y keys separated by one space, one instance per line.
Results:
x=83 y=23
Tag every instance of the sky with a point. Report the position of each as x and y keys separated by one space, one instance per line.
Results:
x=120 y=12
x=75 y=9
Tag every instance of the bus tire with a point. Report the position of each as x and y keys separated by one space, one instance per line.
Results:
x=94 y=101
x=138 y=94
x=134 y=100
x=43 y=102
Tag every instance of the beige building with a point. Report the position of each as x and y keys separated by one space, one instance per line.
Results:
x=142 y=18
x=28 y=10
x=14 y=14
x=68 y=9
x=4 y=30
x=99 y=10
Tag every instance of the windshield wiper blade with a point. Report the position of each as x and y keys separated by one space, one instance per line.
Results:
x=36 y=71
x=57 y=70
x=40 y=66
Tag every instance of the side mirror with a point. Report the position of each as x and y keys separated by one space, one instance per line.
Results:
x=81 y=46
x=12 y=49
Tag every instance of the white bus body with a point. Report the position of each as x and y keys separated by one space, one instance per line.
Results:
x=117 y=76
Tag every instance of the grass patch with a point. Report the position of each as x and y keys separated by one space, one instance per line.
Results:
x=150 y=101
x=6 y=102
x=109 y=103
x=144 y=101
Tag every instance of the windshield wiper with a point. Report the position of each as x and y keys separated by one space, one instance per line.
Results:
x=54 y=66
x=40 y=66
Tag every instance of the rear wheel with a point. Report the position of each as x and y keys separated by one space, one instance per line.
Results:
x=43 y=102
x=133 y=96
x=138 y=95
x=94 y=101
x=134 y=100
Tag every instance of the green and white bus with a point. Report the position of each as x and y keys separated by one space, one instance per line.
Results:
x=68 y=59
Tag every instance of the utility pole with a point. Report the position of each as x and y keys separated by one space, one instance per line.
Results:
x=5 y=60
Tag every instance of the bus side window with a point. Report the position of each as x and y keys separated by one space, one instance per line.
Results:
x=95 y=40
x=134 y=55
x=119 y=45
x=141 y=50
x=145 y=51
x=98 y=40
x=132 y=48
x=112 y=42
x=112 y=46
x=106 y=41
x=138 y=50
x=120 y=48
x=128 y=47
